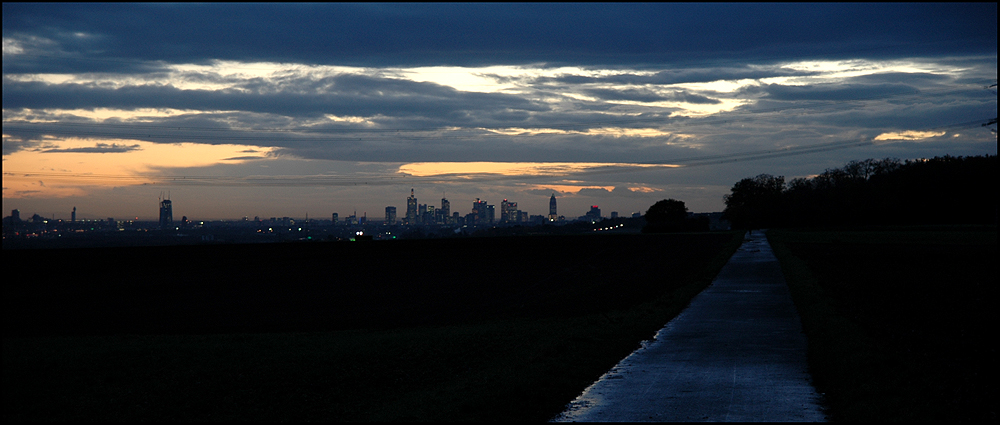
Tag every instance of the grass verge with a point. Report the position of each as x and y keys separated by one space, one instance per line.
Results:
x=899 y=321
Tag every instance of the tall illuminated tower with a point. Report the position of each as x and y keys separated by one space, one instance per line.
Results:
x=552 y=208
x=166 y=213
x=411 y=209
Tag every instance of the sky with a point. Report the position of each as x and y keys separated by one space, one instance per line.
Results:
x=294 y=110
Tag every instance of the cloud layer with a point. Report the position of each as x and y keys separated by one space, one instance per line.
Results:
x=726 y=90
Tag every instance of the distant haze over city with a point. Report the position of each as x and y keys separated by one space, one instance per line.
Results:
x=276 y=110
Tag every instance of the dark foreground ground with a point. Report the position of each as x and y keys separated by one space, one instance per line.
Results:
x=487 y=329
x=900 y=325
x=340 y=285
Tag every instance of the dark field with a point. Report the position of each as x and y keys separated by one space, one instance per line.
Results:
x=901 y=324
x=486 y=329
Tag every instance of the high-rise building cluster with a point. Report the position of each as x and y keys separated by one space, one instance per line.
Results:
x=481 y=214
x=428 y=220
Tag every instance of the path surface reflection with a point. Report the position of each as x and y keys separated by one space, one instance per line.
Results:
x=737 y=353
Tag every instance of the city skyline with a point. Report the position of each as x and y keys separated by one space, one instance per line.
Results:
x=509 y=213
x=276 y=110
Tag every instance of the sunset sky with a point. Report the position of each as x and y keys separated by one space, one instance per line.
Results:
x=276 y=110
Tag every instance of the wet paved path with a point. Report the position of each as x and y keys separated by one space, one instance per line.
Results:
x=736 y=353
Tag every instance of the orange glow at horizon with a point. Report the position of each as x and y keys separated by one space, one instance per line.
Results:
x=66 y=167
x=429 y=169
x=569 y=189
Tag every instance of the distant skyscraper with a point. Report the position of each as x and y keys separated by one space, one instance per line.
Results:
x=508 y=211
x=505 y=211
x=429 y=215
x=552 y=208
x=594 y=214
x=411 y=209
x=73 y=216
x=390 y=215
x=479 y=212
x=166 y=214
x=445 y=207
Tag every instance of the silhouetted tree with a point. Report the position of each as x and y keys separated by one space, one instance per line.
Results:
x=940 y=190
x=755 y=202
x=667 y=210
x=671 y=215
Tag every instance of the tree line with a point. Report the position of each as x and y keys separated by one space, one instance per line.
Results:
x=940 y=190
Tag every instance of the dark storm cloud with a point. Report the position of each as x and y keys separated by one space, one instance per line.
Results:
x=335 y=141
x=17 y=143
x=681 y=76
x=97 y=148
x=917 y=116
x=879 y=106
x=834 y=91
x=535 y=148
x=643 y=95
x=120 y=37
x=921 y=78
x=595 y=192
x=344 y=95
x=67 y=63
x=242 y=158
